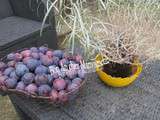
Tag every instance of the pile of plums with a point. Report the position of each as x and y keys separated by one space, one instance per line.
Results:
x=43 y=72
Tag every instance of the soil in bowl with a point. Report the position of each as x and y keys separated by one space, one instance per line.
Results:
x=119 y=70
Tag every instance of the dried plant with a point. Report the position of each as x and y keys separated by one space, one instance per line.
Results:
x=120 y=29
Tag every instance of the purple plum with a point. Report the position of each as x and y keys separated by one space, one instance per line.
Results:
x=28 y=78
x=31 y=88
x=72 y=87
x=32 y=64
x=26 y=59
x=2 y=66
x=71 y=74
x=77 y=81
x=2 y=80
x=34 y=49
x=58 y=53
x=63 y=62
x=21 y=69
x=11 y=63
x=43 y=49
x=81 y=73
x=62 y=95
x=46 y=60
x=41 y=79
x=10 y=83
x=8 y=71
x=49 y=54
x=18 y=57
x=54 y=95
x=20 y=86
x=13 y=75
x=41 y=70
x=35 y=55
x=59 y=84
x=11 y=56
x=44 y=90
x=50 y=79
x=26 y=53
x=55 y=60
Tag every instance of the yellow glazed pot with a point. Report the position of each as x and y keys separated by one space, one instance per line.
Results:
x=117 y=81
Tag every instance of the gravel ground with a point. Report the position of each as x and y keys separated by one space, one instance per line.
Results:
x=7 y=111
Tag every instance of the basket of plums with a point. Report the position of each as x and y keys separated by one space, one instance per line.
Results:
x=43 y=74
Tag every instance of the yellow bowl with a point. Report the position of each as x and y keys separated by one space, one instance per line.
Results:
x=117 y=81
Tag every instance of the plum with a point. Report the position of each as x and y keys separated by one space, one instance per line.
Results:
x=46 y=60
x=13 y=75
x=21 y=69
x=71 y=74
x=28 y=78
x=32 y=64
x=41 y=54
x=62 y=95
x=11 y=63
x=31 y=88
x=78 y=58
x=59 y=84
x=2 y=66
x=44 y=90
x=2 y=80
x=81 y=73
x=49 y=53
x=72 y=87
x=8 y=71
x=18 y=57
x=34 y=49
x=26 y=59
x=50 y=79
x=55 y=60
x=35 y=55
x=20 y=86
x=41 y=70
x=58 y=53
x=43 y=49
x=63 y=62
x=26 y=53
x=41 y=79
x=10 y=83
x=11 y=56
x=54 y=95
x=77 y=81
x=68 y=81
